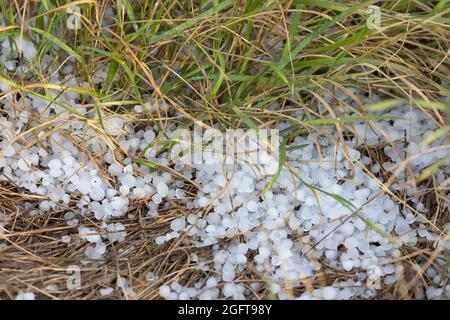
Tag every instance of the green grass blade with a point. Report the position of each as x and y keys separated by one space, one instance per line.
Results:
x=59 y=43
x=191 y=22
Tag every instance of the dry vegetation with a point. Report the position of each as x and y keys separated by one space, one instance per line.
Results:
x=202 y=61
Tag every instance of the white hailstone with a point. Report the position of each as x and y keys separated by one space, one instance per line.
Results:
x=433 y=292
x=23 y=164
x=362 y=194
x=331 y=254
x=241 y=259
x=106 y=291
x=162 y=189
x=51 y=288
x=228 y=290
x=294 y=223
x=264 y=252
x=164 y=291
x=68 y=160
x=206 y=295
x=116 y=232
x=210 y=228
x=117 y=203
x=172 y=235
x=284 y=253
x=4 y=86
x=114 y=125
x=156 y=198
x=115 y=169
x=151 y=276
x=96 y=252
x=351 y=243
x=83 y=186
x=69 y=215
x=347 y=229
x=55 y=164
x=179 y=193
x=273 y=213
x=275 y=288
x=244 y=225
x=401 y=226
x=8 y=151
x=203 y=202
x=310 y=201
x=276 y=261
x=124 y=189
x=10 y=65
x=65 y=239
x=219 y=180
x=97 y=194
x=128 y=180
x=175 y=286
x=138 y=108
x=139 y=192
x=26 y=47
x=252 y=206
x=55 y=173
x=25 y=296
x=84 y=201
x=110 y=193
x=228 y=274
x=149 y=136
x=300 y=194
x=329 y=293
x=178 y=224
x=192 y=218
x=242 y=248
x=220 y=208
x=122 y=283
x=211 y=283
x=160 y=240
x=422 y=233
x=166 y=176
x=44 y=205
x=89 y=234
x=347 y=264
x=95 y=182
x=128 y=169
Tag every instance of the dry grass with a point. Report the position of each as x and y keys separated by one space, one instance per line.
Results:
x=202 y=68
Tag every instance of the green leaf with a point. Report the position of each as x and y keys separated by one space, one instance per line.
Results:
x=252 y=5
x=306 y=41
x=281 y=161
x=129 y=12
x=332 y=121
x=328 y=5
x=59 y=43
x=245 y=119
x=301 y=146
x=427 y=172
x=347 y=204
x=112 y=70
x=220 y=77
x=435 y=135
x=293 y=29
x=384 y=105
x=149 y=164
x=431 y=105
x=191 y=22
x=278 y=72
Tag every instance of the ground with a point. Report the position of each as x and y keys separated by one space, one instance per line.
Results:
x=97 y=202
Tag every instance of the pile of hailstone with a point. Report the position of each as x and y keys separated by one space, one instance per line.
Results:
x=288 y=233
